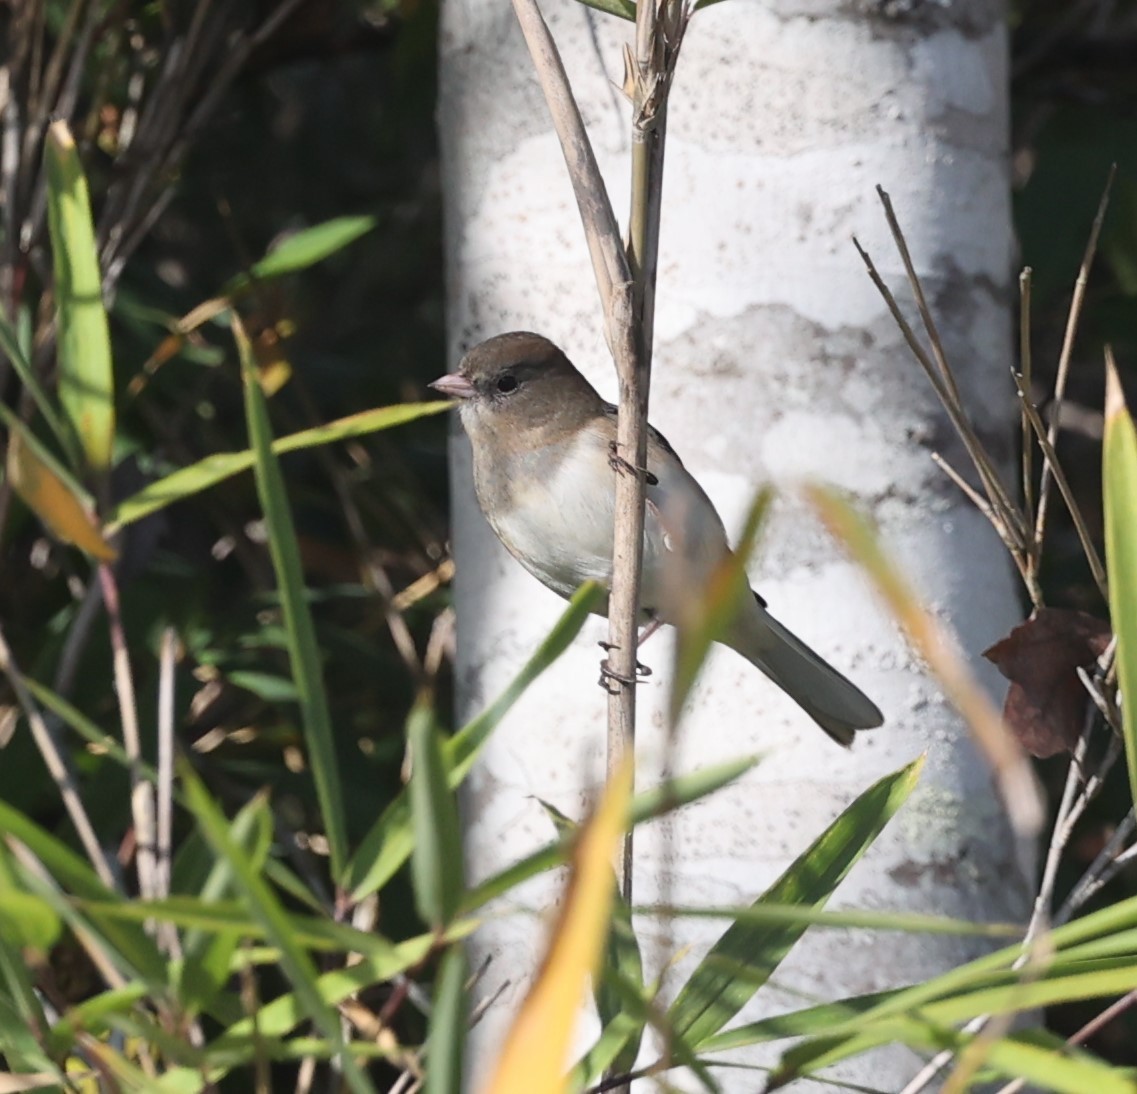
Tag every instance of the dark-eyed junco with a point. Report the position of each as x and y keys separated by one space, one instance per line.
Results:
x=543 y=442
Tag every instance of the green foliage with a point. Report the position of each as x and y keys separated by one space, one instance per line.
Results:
x=303 y=597
x=1120 y=479
x=747 y=954
x=437 y=860
x=86 y=377
x=303 y=649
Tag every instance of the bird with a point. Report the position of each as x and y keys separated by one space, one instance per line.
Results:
x=544 y=445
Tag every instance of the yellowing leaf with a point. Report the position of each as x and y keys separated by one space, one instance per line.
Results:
x=929 y=639
x=45 y=492
x=534 y=1056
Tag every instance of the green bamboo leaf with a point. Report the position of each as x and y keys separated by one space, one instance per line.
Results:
x=94 y=1016
x=818 y=1019
x=1119 y=475
x=205 y=970
x=622 y=958
x=638 y=1010
x=389 y=841
x=623 y=9
x=210 y=915
x=131 y=947
x=1065 y=1069
x=713 y=995
x=303 y=650
x=10 y=345
x=708 y=613
x=447 y=1025
x=240 y=1041
x=1098 y=943
x=208 y=472
x=20 y=1014
x=779 y=915
x=436 y=864
x=303 y=249
x=264 y=906
x=25 y=920
x=86 y=375
x=1061 y=1067
x=647 y=805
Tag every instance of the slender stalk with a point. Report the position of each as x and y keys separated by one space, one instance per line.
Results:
x=631 y=423
x=1064 y=356
x=58 y=767
x=141 y=791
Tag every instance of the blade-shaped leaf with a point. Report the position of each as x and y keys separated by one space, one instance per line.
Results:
x=447 y=1025
x=388 y=843
x=10 y=345
x=241 y=1040
x=622 y=957
x=707 y=614
x=303 y=249
x=266 y=908
x=49 y=492
x=21 y=1013
x=187 y=481
x=436 y=865
x=132 y=948
x=1064 y=1069
x=1017 y=781
x=86 y=376
x=1120 y=484
x=623 y=9
x=303 y=650
x=715 y=993
x=646 y=805
x=533 y=1058
x=638 y=1007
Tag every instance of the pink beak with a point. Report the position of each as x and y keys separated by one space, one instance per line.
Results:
x=454 y=385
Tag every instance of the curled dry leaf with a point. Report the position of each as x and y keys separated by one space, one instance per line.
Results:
x=1046 y=704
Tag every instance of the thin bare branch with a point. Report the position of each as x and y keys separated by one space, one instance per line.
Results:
x=1092 y=557
x=1072 y=320
x=167 y=934
x=943 y=381
x=58 y=768
x=141 y=790
x=1009 y=518
x=602 y=233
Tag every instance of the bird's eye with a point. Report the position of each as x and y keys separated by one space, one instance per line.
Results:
x=507 y=384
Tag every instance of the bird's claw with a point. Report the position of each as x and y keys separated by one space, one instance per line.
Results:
x=611 y=680
x=626 y=467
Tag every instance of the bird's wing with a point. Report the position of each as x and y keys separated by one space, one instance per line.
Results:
x=684 y=538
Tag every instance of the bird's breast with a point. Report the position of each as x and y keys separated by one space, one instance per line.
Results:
x=552 y=508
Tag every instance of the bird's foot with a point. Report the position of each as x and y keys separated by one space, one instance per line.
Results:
x=626 y=467
x=611 y=680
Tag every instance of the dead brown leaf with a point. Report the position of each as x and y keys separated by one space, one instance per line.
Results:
x=1046 y=703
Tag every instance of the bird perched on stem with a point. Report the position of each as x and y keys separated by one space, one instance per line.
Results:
x=544 y=446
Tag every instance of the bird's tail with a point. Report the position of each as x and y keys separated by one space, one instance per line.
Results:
x=833 y=702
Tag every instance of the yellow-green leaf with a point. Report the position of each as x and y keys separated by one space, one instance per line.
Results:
x=1119 y=477
x=534 y=1056
x=932 y=642
x=86 y=378
x=199 y=476
x=51 y=497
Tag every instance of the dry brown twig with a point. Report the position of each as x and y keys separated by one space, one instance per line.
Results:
x=1022 y=530
x=625 y=279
